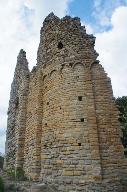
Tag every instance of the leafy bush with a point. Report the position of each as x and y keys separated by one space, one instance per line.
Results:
x=1 y=185
x=1 y=162
x=20 y=174
x=11 y=173
x=16 y=175
x=121 y=103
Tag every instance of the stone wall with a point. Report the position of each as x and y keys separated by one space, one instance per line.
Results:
x=69 y=117
x=32 y=163
x=15 y=134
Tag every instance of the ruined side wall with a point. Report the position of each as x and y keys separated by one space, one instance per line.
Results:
x=111 y=148
x=32 y=157
x=21 y=121
x=17 y=114
x=10 y=145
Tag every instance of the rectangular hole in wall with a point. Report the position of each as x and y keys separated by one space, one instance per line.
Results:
x=82 y=119
x=80 y=98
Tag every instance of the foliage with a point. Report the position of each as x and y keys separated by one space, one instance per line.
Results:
x=1 y=185
x=1 y=162
x=11 y=173
x=121 y=103
x=20 y=174
x=17 y=174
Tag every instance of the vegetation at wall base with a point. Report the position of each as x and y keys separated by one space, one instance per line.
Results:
x=20 y=174
x=121 y=103
x=1 y=162
x=17 y=174
x=1 y=185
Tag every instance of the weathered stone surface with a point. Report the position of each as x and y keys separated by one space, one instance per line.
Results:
x=16 y=123
x=43 y=188
x=62 y=121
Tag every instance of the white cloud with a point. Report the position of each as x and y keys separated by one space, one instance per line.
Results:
x=20 y=23
x=103 y=10
x=2 y=143
x=88 y=27
x=43 y=7
x=112 y=48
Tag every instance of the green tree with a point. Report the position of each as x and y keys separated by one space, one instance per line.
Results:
x=1 y=161
x=121 y=103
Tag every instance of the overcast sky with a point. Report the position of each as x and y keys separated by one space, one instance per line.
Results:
x=20 y=22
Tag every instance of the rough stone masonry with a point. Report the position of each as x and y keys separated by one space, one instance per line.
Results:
x=62 y=120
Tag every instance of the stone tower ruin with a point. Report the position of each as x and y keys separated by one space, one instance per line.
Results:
x=62 y=121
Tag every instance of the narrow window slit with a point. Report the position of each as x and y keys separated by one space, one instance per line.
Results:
x=80 y=98
x=82 y=119
x=60 y=45
x=17 y=102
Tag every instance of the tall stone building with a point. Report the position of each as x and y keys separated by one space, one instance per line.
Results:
x=62 y=121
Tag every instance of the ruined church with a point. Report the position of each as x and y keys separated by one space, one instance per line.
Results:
x=62 y=123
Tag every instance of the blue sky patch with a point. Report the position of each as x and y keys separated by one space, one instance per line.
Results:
x=97 y=13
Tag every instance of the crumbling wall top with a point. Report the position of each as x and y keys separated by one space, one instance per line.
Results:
x=69 y=34
x=52 y=20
